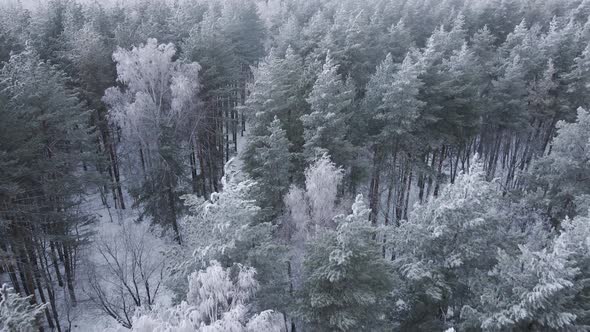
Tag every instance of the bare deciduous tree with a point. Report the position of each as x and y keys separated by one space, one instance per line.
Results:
x=127 y=271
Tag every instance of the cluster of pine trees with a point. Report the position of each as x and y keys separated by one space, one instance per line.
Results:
x=323 y=165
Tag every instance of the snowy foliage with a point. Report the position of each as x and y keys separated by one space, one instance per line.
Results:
x=270 y=165
x=227 y=228
x=312 y=209
x=558 y=182
x=325 y=127
x=159 y=91
x=156 y=111
x=345 y=275
x=451 y=242
x=219 y=224
x=539 y=289
x=214 y=293
x=392 y=98
x=462 y=122
x=16 y=312
x=218 y=300
x=310 y=212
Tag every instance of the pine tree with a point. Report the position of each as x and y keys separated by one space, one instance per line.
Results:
x=271 y=166
x=325 y=128
x=345 y=276
x=523 y=43
x=400 y=106
x=392 y=101
x=577 y=79
x=376 y=88
x=545 y=108
x=501 y=16
x=398 y=41
x=13 y=28
x=142 y=21
x=538 y=289
x=278 y=90
x=244 y=28
x=442 y=43
x=220 y=90
x=452 y=100
x=215 y=54
x=218 y=224
x=557 y=183
x=506 y=111
x=288 y=36
x=482 y=44
x=45 y=143
x=449 y=87
x=445 y=245
x=561 y=43
x=92 y=68
x=228 y=228
x=351 y=44
x=392 y=108
x=282 y=95
x=313 y=33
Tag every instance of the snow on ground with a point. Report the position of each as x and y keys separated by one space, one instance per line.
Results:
x=87 y=316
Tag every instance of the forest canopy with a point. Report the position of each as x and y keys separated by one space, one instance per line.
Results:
x=295 y=165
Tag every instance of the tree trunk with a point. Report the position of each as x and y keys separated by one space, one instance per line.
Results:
x=374 y=194
x=69 y=274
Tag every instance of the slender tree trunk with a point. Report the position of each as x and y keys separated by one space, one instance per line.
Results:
x=234 y=126
x=389 y=199
x=142 y=159
x=55 y=264
x=374 y=194
x=172 y=206
x=193 y=163
x=202 y=167
x=401 y=192
x=9 y=267
x=439 y=170
x=429 y=188
x=408 y=191
x=69 y=274
x=422 y=179
x=35 y=261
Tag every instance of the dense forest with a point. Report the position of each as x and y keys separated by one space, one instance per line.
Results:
x=295 y=165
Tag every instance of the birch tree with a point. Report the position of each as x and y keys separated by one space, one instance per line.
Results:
x=156 y=109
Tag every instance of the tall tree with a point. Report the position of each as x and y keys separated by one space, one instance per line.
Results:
x=557 y=183
x=446 y=245
x=271 y=166
x=392 y=107
x=278 y=89
x=537 y=289
x=345 y=276
x=155 y=109
x=325 y=128
x=94 y=71
x=45 y=143
x=219 y=92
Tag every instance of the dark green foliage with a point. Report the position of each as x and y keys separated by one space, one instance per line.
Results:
x=44 y=132
x=345 y=277
x=270 y=165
